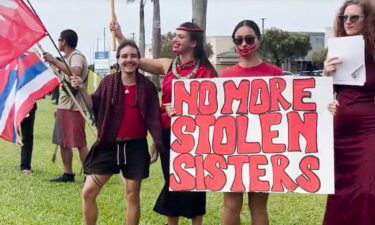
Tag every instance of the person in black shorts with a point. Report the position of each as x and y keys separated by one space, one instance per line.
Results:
x=125 y=106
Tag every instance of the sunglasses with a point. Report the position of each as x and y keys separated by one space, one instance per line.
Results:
x=248 y=40
x=351 y=18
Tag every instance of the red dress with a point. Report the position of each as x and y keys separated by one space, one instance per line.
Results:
x=354 y=199
x=175 y=204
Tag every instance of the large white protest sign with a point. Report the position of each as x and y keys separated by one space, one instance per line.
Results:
x=264 y=134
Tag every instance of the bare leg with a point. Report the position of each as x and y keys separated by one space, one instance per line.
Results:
x=198 y=220
x=133 y=213
x=67 y=158
x=258 y=208
x=172 y=220
x=90 y=191
x=232 y=208
x=83 y=153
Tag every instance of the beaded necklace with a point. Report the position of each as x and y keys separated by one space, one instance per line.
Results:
x=177 y=62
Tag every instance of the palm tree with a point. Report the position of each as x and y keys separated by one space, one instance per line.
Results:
x=156 y=30
x=142 y=42
x=156 y=38
x=200 y=13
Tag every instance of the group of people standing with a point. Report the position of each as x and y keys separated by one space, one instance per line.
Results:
x=126 y=107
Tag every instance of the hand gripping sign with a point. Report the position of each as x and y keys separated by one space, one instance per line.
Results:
x=268 y=134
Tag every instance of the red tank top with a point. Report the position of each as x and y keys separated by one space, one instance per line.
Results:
x=133 y=126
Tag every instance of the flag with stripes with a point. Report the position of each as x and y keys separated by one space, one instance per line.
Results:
x=22 y=83
x=20 y=29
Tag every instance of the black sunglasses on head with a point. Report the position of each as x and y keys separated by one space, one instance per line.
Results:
x=351 y=18
x=248 y=40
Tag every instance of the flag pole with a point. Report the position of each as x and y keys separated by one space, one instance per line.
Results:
x=71 y=95
x=113 y=16
x=63 y=81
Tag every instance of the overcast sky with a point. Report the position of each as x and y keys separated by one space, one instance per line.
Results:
x=90 y=17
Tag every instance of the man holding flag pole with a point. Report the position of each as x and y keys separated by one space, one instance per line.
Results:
x=69 y=131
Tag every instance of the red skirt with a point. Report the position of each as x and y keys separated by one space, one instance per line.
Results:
x=69 y=130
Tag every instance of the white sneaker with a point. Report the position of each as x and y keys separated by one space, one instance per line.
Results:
x=27 y=172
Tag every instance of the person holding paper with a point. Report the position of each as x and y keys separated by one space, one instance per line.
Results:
x=247 y=38
x=191 y=62
x=126 y=107
x=354 y=110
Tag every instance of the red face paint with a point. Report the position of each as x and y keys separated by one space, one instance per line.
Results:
x=246 y=50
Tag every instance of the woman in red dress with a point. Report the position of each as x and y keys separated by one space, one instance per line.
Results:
x=190 y=62
x=246 y=37
x=354 y=199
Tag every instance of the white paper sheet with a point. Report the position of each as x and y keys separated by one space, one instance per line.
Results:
x=351 y=51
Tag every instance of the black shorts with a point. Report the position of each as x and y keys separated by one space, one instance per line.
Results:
x=130 y=157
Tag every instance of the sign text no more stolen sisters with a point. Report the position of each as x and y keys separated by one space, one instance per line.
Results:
x=262 y=134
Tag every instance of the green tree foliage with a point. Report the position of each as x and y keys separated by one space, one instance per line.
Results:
x=320 y=55
x=91 y=67
x=278 y=45
x=166 y=46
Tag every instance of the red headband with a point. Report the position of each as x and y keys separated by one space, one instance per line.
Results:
x=189 y=29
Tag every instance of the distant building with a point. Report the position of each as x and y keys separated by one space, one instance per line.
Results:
x=317 y=41
x=306 y=65
x=329 y=34
x=223 y=52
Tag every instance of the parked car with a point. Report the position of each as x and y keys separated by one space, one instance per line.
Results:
x=317 y=73
x=311 y=73
x=287 y=73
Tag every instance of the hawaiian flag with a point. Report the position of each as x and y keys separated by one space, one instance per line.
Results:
x=19 y=30
x=22 y=82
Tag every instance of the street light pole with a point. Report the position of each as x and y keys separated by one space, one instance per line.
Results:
x=93 y=52
x=104 y=39
x=263 y=19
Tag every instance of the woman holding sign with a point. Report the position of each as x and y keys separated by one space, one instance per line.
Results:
x=191 y=62
x=354 y=198
x=247 y=38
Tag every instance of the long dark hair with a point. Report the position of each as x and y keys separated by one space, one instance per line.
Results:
x=368 y=31
x=196 y=34
x=247 y=23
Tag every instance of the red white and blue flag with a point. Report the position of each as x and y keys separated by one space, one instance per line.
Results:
x=22 y=83
x=20 y=29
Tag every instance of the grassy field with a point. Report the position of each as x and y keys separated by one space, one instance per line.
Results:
x=26 y=200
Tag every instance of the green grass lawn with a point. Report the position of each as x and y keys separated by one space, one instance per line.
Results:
x=33 y=200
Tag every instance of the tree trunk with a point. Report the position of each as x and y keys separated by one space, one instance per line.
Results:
x=142 y=42
x=200 y=14
x=156 y=38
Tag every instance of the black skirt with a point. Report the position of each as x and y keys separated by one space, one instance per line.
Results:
x=175 y=204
